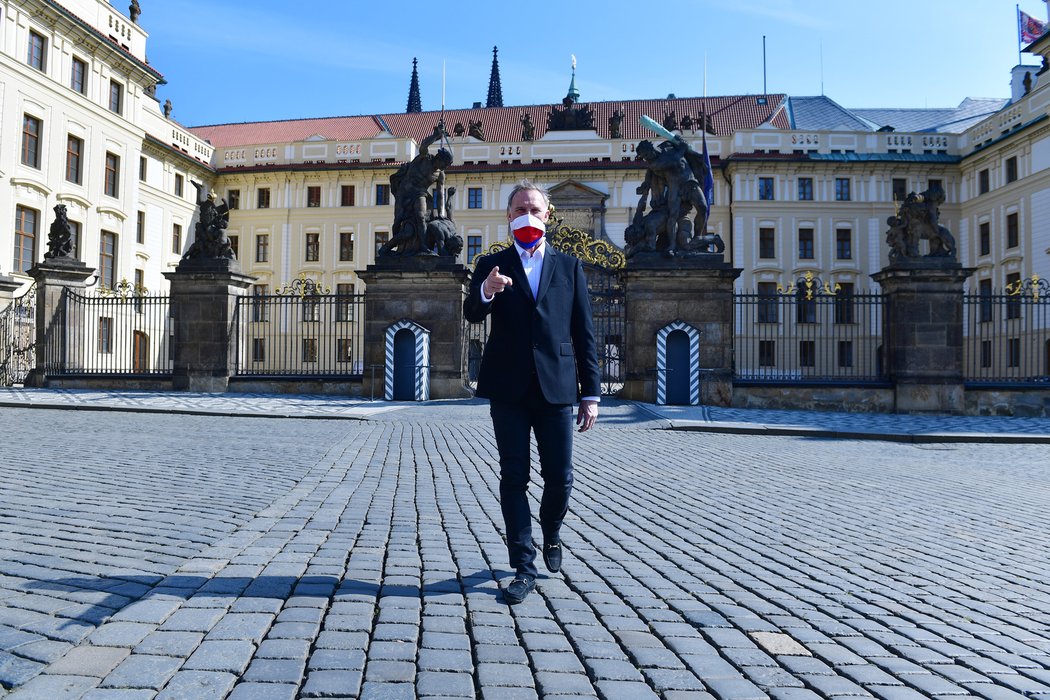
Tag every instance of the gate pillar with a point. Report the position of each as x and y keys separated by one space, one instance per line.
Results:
x=696 y=292
x=53 y=277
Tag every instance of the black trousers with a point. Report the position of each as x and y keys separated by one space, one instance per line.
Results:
x=552 y=424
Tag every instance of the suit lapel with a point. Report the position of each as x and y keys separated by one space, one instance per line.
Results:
x=547 y=271
x=517 y=273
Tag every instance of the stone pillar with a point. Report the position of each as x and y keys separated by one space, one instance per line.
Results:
x=429 y=291
x=695 y=290
x=204 y=295
x=53 y=277
x=923 y=334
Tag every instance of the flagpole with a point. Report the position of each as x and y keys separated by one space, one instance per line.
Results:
x=1019 y=31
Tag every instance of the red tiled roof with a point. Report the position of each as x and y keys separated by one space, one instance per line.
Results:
x=252 y=133
x=728 y=114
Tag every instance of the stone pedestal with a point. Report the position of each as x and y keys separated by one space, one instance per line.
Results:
x=204 y=297
x=53 y=277
x=697 y=291
x=923 y=335
x=429 y=291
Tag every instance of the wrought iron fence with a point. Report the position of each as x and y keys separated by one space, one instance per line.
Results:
x=1006 y=334
x=18 y=338
x=809 y=332
x=122 y=331
x=303 y=331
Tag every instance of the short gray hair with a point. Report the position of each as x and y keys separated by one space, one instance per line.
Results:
x=526 y=185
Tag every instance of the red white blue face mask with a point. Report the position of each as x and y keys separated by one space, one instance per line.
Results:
x=527 y=230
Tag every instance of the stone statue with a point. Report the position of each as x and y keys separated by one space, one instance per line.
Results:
x=670 y=121
x=570 y=118
x=60 y=237
x=210 y=241
x=474 y=129
x=134 y=11
x=687 y=122
x=528 y=129
x=672 y=187
x=458 y=130
x=615 y=120
x=423 y=222
x=916 y=220
x=167 y=109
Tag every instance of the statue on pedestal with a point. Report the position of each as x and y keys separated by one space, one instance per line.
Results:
x=528 y=129
x=60 y=237
x=210 y=241
x=423 y=222
x=917 y=219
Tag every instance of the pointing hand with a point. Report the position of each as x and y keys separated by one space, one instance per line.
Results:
x=495 y=283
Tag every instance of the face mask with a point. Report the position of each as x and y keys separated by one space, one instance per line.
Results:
x=528 y=230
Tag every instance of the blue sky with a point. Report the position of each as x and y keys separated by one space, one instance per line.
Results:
x=286 y=60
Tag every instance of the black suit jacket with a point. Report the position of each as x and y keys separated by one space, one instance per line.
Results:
x=551 y=334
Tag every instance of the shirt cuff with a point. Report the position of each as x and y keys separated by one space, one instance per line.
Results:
x=484 y=299
x=595 y=399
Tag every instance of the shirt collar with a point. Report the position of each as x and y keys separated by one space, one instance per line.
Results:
x=538 y=252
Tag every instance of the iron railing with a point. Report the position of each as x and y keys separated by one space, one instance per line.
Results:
x=18 y=338
x=121 y=331
x=1006 y=335
x=808 y=333
x=299 y=335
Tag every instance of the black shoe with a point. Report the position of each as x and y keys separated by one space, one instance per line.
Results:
x=519 y=589
x=552 y=556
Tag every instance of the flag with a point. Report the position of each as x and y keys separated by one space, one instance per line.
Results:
x=1030 y=28
x=708 y=184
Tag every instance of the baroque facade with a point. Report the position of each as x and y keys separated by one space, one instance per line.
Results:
x=802 y=184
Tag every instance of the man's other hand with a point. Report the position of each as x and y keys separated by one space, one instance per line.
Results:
x=587 y=415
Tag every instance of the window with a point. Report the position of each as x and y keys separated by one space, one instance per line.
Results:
x=1013 y=301
x=258 y=349
x=983 y=182
x=105 y=335
x=935 y=184
x=805 y=244
x=767 y=353
x=313 y=196
x=140 y=227
x=1011 y=169
x=900 y=189
x=31 y=128
x=263 y=199
x=233 y=199
x=78 y=76
x=344 y=304
x=313 y=247
x=235 y=246
x=107 y=260
x=766 y=248
x=805 y=189
x=765 y=188
x=179 y=184
x=26 y=223
x=805 y=307
x=140 y=288
x=176 y=239
x=74 y=158
x=344 y=350
x=844 y=244
x=986 y=354
x=768 y=307
x=346 y=196
x=111 y=185
x=984 y=289
x=473 y=247
x=143 y=168
x=311 y=309
x=1013 y=352
x=843 y=304
x=74 y=238
x=474 y=198
x=309 y=349
x=985 y=235
x=116 y=97
x=845 y=353
x=381 y=238
x=346 y=246
x=807 y=353
x=842 y=189
x=260 y=311
x=382 y=195
x=36 y=52
x=262 y=248
x=1012 y=233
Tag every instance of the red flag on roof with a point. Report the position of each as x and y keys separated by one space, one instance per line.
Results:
x=1030 y=28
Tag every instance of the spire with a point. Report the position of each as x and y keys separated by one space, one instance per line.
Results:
x=573 y=93
x=495 y=98
x=414 y=103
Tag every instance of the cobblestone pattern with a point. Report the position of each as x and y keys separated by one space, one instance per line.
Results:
x=190 y=557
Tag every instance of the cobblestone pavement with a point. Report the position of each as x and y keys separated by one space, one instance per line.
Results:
x=145 y=555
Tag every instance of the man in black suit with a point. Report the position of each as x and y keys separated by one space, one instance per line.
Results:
x=540 y=358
